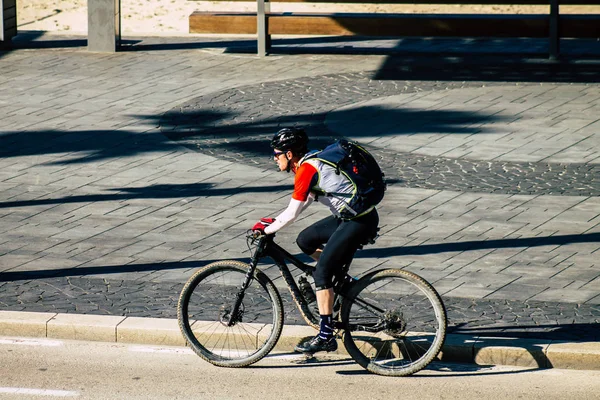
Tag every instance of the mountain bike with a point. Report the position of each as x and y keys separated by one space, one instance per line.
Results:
x=392 y=321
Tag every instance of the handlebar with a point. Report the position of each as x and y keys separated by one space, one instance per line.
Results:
x=254 y=236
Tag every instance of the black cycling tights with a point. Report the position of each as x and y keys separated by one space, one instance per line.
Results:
x=343 y=237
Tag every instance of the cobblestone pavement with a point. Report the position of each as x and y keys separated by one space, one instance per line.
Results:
x=307 y=102
x=513 y=318
x=493 y=192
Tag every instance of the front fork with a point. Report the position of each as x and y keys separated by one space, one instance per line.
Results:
x=233 y=316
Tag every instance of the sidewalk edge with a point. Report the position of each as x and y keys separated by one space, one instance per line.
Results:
x=480 y=350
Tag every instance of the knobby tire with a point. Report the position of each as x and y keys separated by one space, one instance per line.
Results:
x=414 y=337
x=204 y=306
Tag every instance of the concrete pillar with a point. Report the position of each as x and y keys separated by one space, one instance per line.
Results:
x=8 y=20
x=104 y=25
x=554 y=39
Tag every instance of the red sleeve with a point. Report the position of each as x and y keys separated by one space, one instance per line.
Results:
x=302 y=183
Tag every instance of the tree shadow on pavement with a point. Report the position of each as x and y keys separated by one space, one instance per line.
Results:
x=475 y=245
x=164 y=191
x=9 y=276
x=478 y=245
x=489 y=68
x=86 y=146
x=230 y=132
x=194 y=121
x=458 y=59
x=247 y=135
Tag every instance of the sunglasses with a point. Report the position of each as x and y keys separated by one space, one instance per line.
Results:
x=276 y=154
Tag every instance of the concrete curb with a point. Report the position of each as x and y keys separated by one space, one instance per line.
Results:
x=481 y=350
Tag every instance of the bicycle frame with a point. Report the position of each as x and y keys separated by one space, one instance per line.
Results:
x=266 y=247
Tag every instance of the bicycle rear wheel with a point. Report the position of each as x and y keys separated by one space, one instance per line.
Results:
x=205 y=309
x=395 y=322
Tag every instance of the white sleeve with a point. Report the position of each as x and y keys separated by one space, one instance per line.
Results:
x=290 y=214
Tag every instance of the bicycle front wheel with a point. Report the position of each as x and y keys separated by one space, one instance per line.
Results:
x=206 y=315
x=395 y=322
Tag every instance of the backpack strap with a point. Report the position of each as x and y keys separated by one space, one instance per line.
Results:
x=310 y=154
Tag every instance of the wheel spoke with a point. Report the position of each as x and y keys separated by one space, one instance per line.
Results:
x=407 y=330
x=209 y=298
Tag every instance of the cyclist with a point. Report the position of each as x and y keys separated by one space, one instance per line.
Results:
x=331 y=241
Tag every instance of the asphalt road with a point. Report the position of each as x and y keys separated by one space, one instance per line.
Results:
x=42 y=368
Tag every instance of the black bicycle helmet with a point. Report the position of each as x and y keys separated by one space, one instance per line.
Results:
x=290 y=139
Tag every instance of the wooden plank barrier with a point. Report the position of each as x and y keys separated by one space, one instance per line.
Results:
x=265 y=23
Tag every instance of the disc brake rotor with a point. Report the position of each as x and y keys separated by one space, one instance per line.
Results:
x=227 y=319
x=395 y=323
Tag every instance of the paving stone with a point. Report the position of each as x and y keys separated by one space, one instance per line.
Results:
x=131 y=212
x=558 y=295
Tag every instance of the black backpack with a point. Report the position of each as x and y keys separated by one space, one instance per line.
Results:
x=360 y=167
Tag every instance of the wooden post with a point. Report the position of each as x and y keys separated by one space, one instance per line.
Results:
x=8 y=20
x=104 y=25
